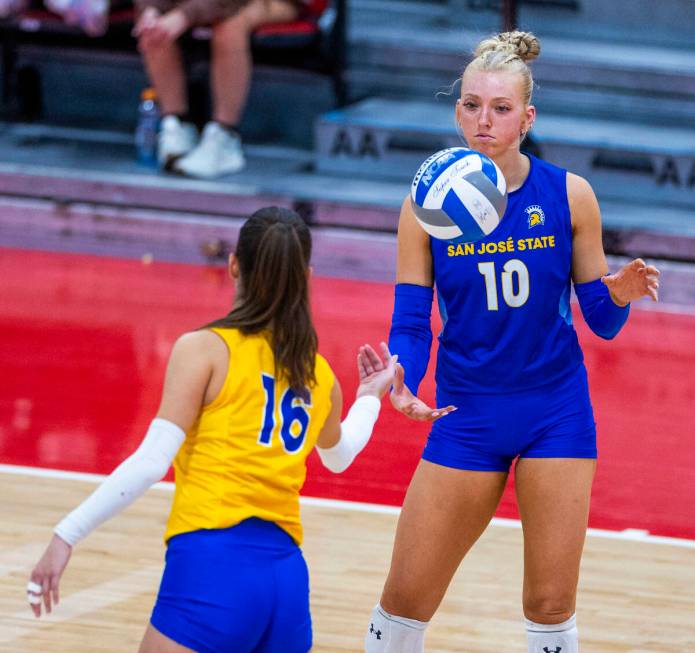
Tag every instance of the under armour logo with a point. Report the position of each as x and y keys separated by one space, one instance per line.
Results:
x=555 y=650
x=377 y=633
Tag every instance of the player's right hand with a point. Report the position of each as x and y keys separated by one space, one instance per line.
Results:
x=376 y=372
x=45 y=578
x=404 y=401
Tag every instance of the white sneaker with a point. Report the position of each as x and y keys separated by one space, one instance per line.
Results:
x=217 y=153
x=175 y=139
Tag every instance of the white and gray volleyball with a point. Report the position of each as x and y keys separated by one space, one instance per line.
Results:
x=459 y=194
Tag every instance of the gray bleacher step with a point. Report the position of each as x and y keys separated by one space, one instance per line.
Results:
x=553 y=97
x=417 y=60
x=321 y=199
x=458 y=43
x=637 y=67
x=666 y=22
x=83 y=166
x=610 y=104
x=90 y=189
x=388 y=139
x=330 y=200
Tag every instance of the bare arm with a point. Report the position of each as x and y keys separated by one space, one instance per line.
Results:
x=191 y=368
x=195 y=375
x=588 y=258
x=414 y=261
x=330 y=433
x=634 y=280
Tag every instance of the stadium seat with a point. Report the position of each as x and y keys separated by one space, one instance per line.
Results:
x=314 y=42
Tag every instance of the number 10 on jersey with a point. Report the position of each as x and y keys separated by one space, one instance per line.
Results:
x=515 y=291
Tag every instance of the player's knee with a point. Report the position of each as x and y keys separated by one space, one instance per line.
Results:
x=389 y=633
x=403 y=601
x=231 y=34
x=548 y=607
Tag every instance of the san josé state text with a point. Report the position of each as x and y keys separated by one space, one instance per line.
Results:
x=502 y=246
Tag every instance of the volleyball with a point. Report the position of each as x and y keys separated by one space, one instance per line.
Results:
x=459 y=194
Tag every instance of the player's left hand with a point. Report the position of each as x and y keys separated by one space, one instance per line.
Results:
x=404 y=401
x=376 y=374
x=634 y=280
x=45 y=577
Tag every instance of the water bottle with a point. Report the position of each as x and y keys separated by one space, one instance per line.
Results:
x=146 y=129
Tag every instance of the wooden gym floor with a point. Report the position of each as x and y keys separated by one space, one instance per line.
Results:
x=636 y=595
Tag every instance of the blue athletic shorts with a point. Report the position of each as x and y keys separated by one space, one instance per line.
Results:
x=488 y=431
x=243 y=589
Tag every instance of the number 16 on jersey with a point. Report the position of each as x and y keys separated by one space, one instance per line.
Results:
x=294 y=417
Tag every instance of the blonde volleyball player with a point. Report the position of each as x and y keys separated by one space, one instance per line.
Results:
x=509 y=360
x=244 y=402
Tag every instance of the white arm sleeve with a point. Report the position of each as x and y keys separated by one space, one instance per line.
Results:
x=355 y=431
x=126 y=483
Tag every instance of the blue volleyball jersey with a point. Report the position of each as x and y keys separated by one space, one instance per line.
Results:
x=505 y=298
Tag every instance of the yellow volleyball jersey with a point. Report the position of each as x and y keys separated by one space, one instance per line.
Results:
x=245 y=456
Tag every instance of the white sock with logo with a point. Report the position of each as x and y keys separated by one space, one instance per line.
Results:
x=388 y=633
x=553 y=638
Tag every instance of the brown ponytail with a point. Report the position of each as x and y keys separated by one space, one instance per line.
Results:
x=274 y=250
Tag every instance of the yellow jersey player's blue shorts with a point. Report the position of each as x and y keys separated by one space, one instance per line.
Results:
x=243 y=589
x=488 y=431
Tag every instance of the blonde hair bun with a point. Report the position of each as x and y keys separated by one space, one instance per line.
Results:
x=524 y=45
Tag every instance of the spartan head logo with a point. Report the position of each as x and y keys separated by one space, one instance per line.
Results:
x=535 y=217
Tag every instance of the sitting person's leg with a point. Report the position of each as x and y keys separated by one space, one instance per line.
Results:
x=158 y=27
x=220 y=151
x=230 y=74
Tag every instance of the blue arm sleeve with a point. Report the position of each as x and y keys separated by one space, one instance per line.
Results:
x=604 y=317
x=411 y=332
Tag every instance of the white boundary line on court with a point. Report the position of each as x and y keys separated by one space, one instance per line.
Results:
x=629 y=534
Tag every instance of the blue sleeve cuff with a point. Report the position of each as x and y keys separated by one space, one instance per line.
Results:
x=604 y=317
x=411 y=332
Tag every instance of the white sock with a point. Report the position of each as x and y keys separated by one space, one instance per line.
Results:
x=553 y=638
x=390 y=634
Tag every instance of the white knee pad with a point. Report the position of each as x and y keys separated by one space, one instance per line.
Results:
x=553 y=638
x=390 y=634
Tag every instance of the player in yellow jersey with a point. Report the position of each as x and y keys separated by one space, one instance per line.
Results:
x=245 y=400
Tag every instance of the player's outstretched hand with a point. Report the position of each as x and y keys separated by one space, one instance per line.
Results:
x=376 y=374
x=406 y=402
x=45 y=578
x=632 y=281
